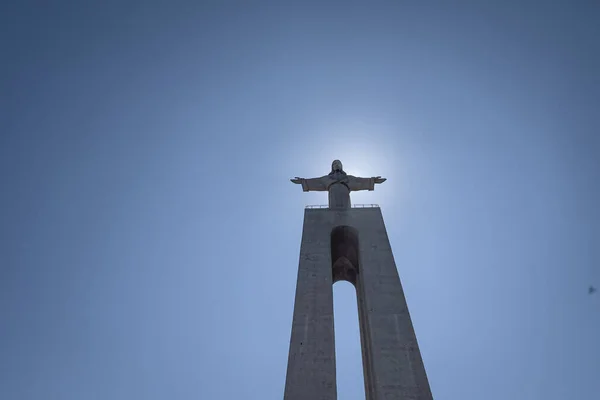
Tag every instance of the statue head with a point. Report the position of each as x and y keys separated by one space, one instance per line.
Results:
x=336 y=165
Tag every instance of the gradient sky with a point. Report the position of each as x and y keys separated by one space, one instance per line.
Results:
x=149 y=234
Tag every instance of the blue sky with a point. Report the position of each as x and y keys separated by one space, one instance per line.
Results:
x=149 y=234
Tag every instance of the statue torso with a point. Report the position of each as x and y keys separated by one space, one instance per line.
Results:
x=339 y=192
x=337 y=177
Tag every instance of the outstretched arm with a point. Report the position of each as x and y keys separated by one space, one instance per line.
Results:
x=312 y=184
x=355 y=183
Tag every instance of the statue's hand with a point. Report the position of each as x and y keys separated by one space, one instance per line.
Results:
x=379 y=179
x=297 y=180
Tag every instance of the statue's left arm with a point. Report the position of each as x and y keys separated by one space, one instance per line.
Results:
x=355 y=183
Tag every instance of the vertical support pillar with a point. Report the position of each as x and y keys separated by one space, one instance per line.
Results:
x=393 y=366
x=311 y=361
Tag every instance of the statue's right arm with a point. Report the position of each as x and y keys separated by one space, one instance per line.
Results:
x=312 y=184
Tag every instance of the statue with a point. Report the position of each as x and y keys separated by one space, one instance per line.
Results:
x=338 y=184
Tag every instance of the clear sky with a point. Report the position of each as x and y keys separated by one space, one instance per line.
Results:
x=149 y=234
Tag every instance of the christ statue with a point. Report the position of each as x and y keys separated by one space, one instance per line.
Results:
x=338 y=184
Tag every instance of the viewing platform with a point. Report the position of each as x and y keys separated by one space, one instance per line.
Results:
x=353 y=206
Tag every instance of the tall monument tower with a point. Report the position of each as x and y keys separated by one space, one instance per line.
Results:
x=346 y=243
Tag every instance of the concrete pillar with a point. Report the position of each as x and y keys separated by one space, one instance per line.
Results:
x=393 y=368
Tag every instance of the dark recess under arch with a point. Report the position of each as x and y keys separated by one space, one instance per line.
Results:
x=344 y=254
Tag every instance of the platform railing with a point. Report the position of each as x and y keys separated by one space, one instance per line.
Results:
x=353 y=206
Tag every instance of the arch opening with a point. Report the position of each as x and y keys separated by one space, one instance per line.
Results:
x=348 y=350
x=347 y=329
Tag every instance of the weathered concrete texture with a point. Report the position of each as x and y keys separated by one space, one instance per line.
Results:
x=393 y=367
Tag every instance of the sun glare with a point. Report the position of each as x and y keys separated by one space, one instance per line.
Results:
x=366 y=147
